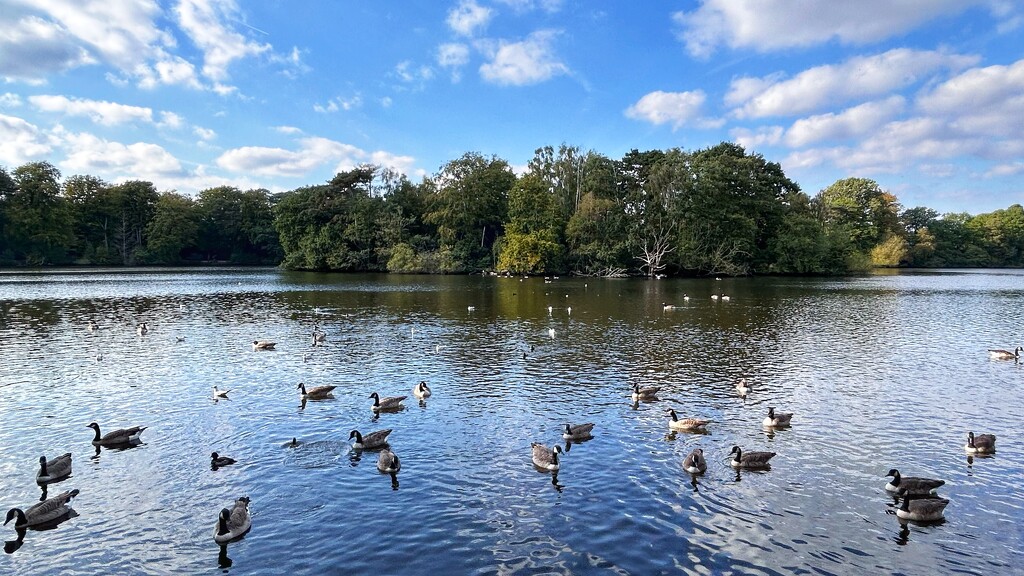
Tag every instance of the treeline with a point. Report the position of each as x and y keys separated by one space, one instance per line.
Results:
x=714 y=211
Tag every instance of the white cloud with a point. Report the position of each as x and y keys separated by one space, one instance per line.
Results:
x=468 y=17
x=1011 y=169
x=169 y=70
x=386 y=102
x=766 y=25
x=339 y=103
x=21 y=142
x=675 y=108
x=90 y=154
x=986 y=100
x=453 y=56
x=528 y=62
x=32 y=48
x=203 y=20
x=859 y=77
x=204 y=134
x=312 y=153
x=409 y=73
x=754 y=139
x=850 y=123
x=170 y=120
x=98 y=111
x=288 y=130
x=9 y=100
x=549 y=6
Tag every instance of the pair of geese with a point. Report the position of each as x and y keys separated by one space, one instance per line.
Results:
x=547 y=458
x=421 y=390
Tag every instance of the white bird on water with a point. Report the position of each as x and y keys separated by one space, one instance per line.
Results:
x=551 y=332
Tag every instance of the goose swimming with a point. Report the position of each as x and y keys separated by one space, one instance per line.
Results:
x=688 y=424
x=743 y=459
x=422 y=391
x=370 y=441
x=316 y=392
x=55 y=469
x=216 y=460
x=386 y=403
x=544 y=457
x=743 y=387
x=1006 y=354
x=980 y=444
x=911 y=484
x=777 y=419
x=578 y=431
x=43 y=512
x=388 y=462
x=122 y=436
x=234 y=522
x=142 y=329
x=644 y=393
x=263 y=345
x=919 y=508
x=694 y=463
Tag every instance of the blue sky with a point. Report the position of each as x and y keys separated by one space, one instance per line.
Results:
x=925 y=97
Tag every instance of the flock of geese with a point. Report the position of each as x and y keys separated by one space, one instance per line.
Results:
x=920 y=502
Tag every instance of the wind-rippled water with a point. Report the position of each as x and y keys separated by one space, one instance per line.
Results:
x=883 y=371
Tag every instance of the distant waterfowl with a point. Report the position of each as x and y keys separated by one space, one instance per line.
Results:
x=218 y=393
x=179 y=339
x=777 y=419
x=686 y=298
x=43 y=512
x=371 y=440
x=216 y=460
x=551 y=332
x=644 y=393
x=921 y=508
x=422 y=391
x=142 y=329
x=692 y=424
x=121 y=436
x=694 y=463
x=470 y=308
x=743 y=459
x=743 y=387
x=319 y=338
x=233 y=523
x=93 y=326
x=911 y=484
x=980 y=444
x=668 y=307
x=316 y=392
x=55 y=469
x=263 y=345
x=578 y=431
x=544 y=457
x=388 y=462
x=1006 y=354
x=714 y=296
x=386 y=403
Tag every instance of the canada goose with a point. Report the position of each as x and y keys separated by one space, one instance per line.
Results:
x=386 y=403
x=980 y=444
x=750 y=459
x=316 y=392
x=179 y=339
x=216 y=460
x=388 y=462
x=644 y=393
x=55 y=469
x=694 y=463
x=777 y=419
x=921 y=508
x=743 y=387
x=142 y=329
x=578 y=432
x=1006 y=354
x=263 y=345
x=691 y=424
x=122 y=436
x=371 y=440
x=43 y=512
x=218 y=393
x=911 y=484
x=422 y=391
x=544 y=457
x=233 y=523
x=319 y=338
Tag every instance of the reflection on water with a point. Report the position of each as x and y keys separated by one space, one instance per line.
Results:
x=882 y=371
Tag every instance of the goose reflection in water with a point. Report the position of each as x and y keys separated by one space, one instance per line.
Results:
x=554 y=482
x=223 y=561
x=903 y=537
x=116 y=448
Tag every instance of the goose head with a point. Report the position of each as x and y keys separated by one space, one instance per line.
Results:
x=672 y=413
x=568 y=430
x=376 y=397
x=301 y=386
x=736 y=450
x=14 y=513
x=94 y=426
x=894 y=473
x=355 y=434
x=771 y=412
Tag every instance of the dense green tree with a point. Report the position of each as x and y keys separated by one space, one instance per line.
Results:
x=531 y=244
x=133 y=204
x=173 y=229
x=869 y=213
x=468 y=205
x=38 y=219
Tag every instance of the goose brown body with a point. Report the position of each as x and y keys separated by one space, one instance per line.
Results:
x=316 y=392
x=43 y=512
x=234 y=522
x=691 y=424
x=980 y=444
x=920 y=508
x=55 y=469
x=388 y=462
x=544 y=457
x=372 y=440
x=121 y=436
x=743 y=459
x=577 y=431
x=386 y=403
x=694 y=463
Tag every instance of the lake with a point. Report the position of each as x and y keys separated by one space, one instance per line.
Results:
x=882 y=371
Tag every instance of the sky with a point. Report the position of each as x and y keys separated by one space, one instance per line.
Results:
x=926 y=97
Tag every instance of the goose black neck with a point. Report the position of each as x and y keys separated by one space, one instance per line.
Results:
x=673 y=414
x=554 y=456
x=895 y=479
x=42 y=467
x=359 y=437
x=97 y=437
x=222 y=524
